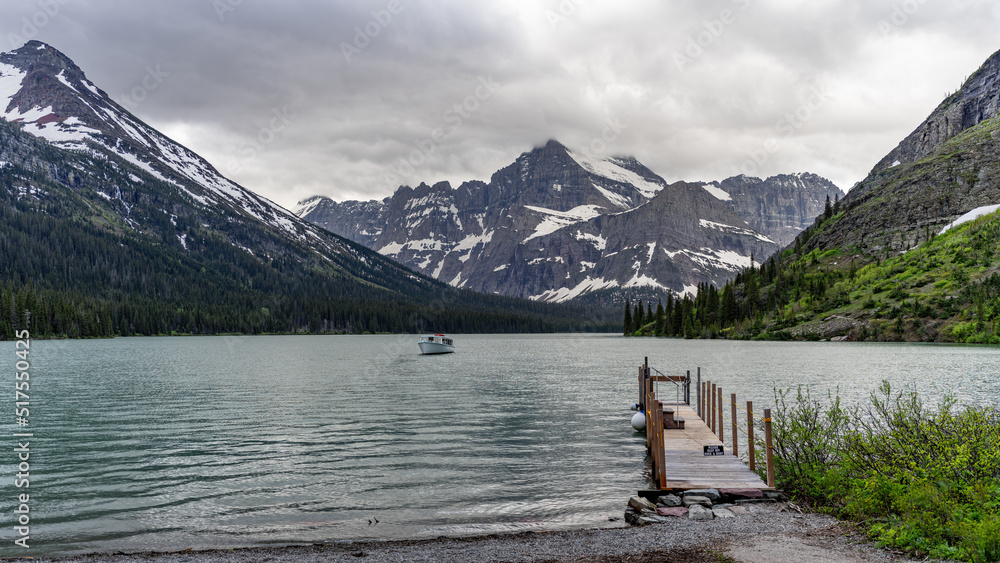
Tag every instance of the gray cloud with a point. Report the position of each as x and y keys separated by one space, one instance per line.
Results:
x=697 y=87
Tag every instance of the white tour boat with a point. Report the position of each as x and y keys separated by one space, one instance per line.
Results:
x=436 y=344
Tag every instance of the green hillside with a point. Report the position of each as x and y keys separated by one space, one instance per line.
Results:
x=945 y=290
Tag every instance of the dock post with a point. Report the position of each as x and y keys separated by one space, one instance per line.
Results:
x=750 y=444
x=654 y=406
x=770 y=452
x=736 y=447
x=701 y=400
x=701 y=395
x=711 y=410
x=687 y=388
x=642 y=392
x=660 y=454
x=722 y=422
x=648 y=401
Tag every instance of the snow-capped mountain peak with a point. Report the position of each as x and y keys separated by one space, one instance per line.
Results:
x=554 y=225
x=45 y=91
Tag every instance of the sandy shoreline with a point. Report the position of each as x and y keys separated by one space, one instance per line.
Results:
x=773 y=530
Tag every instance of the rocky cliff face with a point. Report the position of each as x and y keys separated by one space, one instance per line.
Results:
x=779 y=207
x=948 y=166
x=977 y=101
x=554 y=225
x=360 y=221
x=680 y=238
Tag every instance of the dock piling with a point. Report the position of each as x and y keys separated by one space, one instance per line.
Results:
x=736 y=450
x=770 y=449
x=722 y=422
x=701 y=395
x=750 y=444
x=711 y=412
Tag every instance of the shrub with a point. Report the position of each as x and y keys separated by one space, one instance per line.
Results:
x=924 y=480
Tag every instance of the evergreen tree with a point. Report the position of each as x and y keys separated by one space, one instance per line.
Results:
x=687 y=311
x=627 y=327
x=677 y=324
x=668 y=316
x=730 y=309
x=659 y=318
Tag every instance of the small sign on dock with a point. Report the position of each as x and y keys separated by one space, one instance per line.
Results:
x=715 y=450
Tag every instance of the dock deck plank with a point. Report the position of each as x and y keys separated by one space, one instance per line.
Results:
x=687 y=467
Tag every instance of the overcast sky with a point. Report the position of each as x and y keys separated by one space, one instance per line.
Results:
x=353 y=99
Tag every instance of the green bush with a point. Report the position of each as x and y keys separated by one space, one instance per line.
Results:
x=923 y=480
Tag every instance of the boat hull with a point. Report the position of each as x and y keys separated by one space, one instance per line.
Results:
x=435 y=348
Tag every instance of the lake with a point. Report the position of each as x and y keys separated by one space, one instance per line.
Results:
x=170 y=443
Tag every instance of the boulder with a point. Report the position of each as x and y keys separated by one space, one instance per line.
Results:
x=723 y=513
x=678 y=511
x=632 y=517
x=639 y=504
x=742 y=493
x=739 y=510
x=692 y=500
x=699 y=512
x=652 y=519
x=711 y=494
x=669 y=500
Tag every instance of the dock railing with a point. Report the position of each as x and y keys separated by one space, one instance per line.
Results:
x=711 y=401
x=657 y=416
x=711 y=408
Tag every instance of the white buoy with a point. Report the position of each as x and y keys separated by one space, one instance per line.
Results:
x=639 y=421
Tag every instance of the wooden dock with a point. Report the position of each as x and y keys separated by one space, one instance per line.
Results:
x=685 y=466
x=679 y=440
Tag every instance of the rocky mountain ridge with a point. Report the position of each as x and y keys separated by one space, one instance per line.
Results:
x=146 y=235
x=555 y=225
x=779 y=207
x=947 y=167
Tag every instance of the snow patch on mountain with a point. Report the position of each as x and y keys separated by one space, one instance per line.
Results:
x=566 y=293
x=610 y=169
x=642 y=280
x=718 y=193
x=599 y=242
x=10 y=83
x=706 y=224
x=619 y=200
x=304 y=207
x=555 y=220
x=59 y=133
x=972 y=216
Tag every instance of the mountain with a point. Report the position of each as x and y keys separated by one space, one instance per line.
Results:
x=779 y=207
x=909 y=254
x=554 y=225
x=948 y=166
x=109 y=227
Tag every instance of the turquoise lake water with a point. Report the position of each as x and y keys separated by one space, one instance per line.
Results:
x=170 y=443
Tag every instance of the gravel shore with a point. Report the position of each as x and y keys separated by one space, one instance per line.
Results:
x=774 y=533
